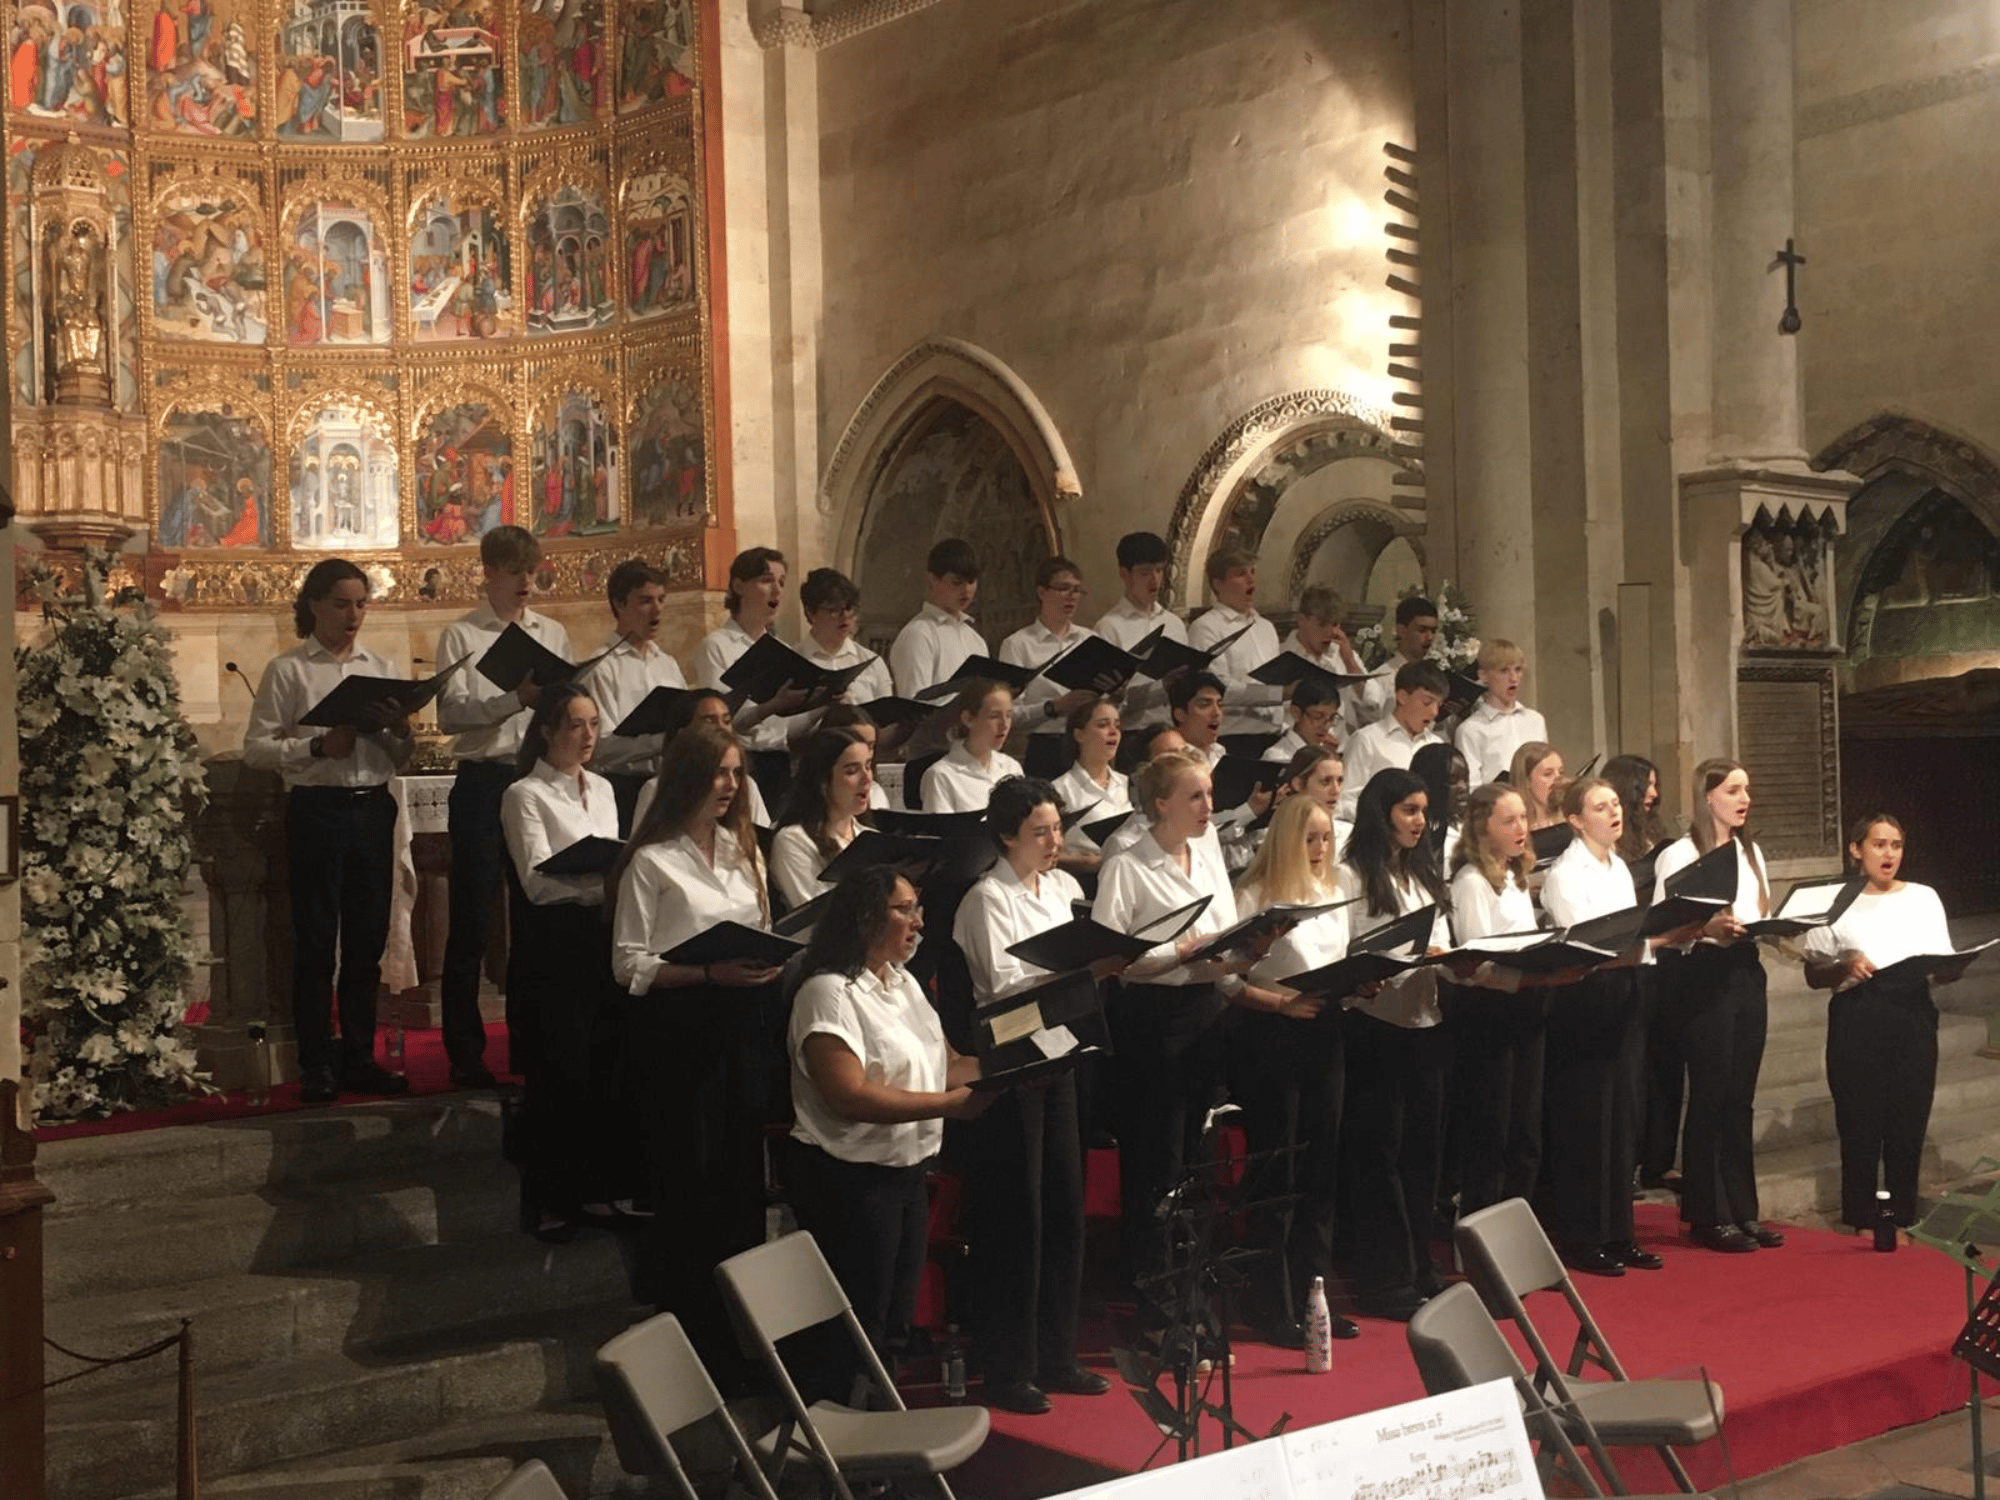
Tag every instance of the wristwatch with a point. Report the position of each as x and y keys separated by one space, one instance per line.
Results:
x=317 y=746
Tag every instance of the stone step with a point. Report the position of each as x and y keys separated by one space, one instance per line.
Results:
x=1794 y=1057
x=121 y=1442
x=176 y=1241
x=272 y=1152
x=1800 y=1114
x=1801 y=1182
x=246 y=1318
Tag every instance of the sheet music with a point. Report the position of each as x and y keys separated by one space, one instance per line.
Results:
x=1254 y=1471
x=1464 y=1445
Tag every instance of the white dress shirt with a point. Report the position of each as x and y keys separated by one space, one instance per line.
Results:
x=1579 y=886
x=544 y=813
x=870 y=683
x=670 y=893
x=1125 y=625
x=1381 y=746
x=932 y=647
x=796 y=863
x=1479 y=911
x=618 y=684
x=1030 y=646
x=894 y=1033
x=717 y=653
x=759 y=813
x=1000 y=910
x=1142 y=884
x=1885 y=928
x=1313 y=944
x=1284 y=747
x=1488 y=737
x=1256 y=702
x=1372 y=700
x=1677 y=856
x=956 y=782
x=1077 y=790
x=292 y=685
x=487 y=723
x=1411 y=998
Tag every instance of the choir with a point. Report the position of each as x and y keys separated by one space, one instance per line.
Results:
x=706 y=1003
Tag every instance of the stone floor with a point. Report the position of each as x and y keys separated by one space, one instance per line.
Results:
x=1930 y=1460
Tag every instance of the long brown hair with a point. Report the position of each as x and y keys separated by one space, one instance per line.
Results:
x=1709 y=775
x=1479 y=810
x=1629 y=776
x=687 y=777
x=1526 y=759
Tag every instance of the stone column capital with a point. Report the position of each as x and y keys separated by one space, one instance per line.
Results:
x=1738 y=494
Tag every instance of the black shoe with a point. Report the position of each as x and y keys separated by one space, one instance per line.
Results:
x=1669 y=1182
x=1763 y=1234
x=476 y=1076
x=1397 y=1307
x=1022 y=1396
x=1724 y=1237
x=317 y=1086
x=1592 y=1260
x=1344 y=1328
x=1629 y=1253
x=1279 y=1332
x=373 y=1078
x=1075 y=1380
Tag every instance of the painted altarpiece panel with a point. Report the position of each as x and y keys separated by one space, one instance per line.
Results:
x=660 y=244
x=212 y=476
x=656 y=52
x=460 y=264
x=454 y=70
x=336 y=275
x=564 y=76
x=670 y=476
x=201 y=69
x=573 y=480
x=66 y=61
x=329 y=72
x=463 y=467
x=568 y=238
x=345 y=493
x=209 y=268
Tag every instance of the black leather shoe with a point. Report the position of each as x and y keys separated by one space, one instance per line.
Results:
x=1763 y=1234
x=317 y=1086
x=1629 y=1253
x=373 y=1078
x=1397 y=1307
x=1022 y=1396
x=1592 y=1260
x=1724 y=1237
x=474 y=1077
x=1279 y=1333
x=1344 y=1328
x=1073 y=1381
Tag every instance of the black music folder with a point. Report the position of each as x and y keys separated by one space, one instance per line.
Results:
x=1235 y=777
x=1037 y=1032
x=1462 y=691
x=732 y=942
x=1273 y=920
x=987 y=668
x=1551 y=841
x=1712 y=877
x=587 y=856
x=937 y=825
x=1370 y=957
x=1169 y=655
x=1288 y=668
x=518 y=656
x=891 y=711
x=959 y=857
x=1103 y=828
x=1097 y=666
x=770 y=666
x=1809 y=904
x=661 y=710
x=1944 y=968
x=800 y=920
x=1081 y=942
x=358 y=701
x=1250 y=742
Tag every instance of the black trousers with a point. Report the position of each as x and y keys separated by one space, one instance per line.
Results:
x=1881 y=1064
x=478 y=858
x=1170 y=1048
x=1392 y=1147
x=1662 y=1066
x=1023 y=1174
x=1290 y=1077
x=340 y=849
x=1720 y=990
x=1594 y=1037
x=1496 y=1092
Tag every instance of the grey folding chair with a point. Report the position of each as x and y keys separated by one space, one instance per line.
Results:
x=1507 y=1257
x=1456 y=1344
x=785 y=1287
x=532 y=1481
x=654 y=1385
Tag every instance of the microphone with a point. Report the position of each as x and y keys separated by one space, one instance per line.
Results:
x=248 y=686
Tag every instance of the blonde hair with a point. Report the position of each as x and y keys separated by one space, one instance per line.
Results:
x=1709 y=775
x=1498 y=653
x=1280 y=871
x=1526 y=759
x=1472 y=850
x=1156 y=775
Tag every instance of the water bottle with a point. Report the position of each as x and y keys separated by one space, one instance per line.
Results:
x=954 y=1365
x=1885 y=1223
x=260 y=1063
x=396 y=1047
x=1319 y=1330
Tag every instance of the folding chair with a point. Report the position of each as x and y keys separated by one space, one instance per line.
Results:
x=1507 y=1257
x=1456 y=1344
x=653 y=1385
x=532 y=1481
x=784 y=1287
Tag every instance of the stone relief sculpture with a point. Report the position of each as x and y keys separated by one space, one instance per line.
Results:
x=1787 y=596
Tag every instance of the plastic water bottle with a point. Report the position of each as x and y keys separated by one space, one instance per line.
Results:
x=259 y=1063
x=1319 y=1330
x=396 y=1044
x=954 y=1365
x=1885 y=1223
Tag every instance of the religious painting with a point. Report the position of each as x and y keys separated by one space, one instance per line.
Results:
x=656 y=61
x=1787 y=588
x=465 y=474
x=453 y=70
x=564 y=62
x=659 y=244
x=213 y=480
x=343 y=481
x=574 y=478
x=461 y=271
x=329 y=72
x=669 y=456
x=21 y=258
x=336 y=282
x=66 y=61
x=201 y=77
x=569 y=283
x=209 y=273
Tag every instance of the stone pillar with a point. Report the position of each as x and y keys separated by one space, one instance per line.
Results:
x=240 y=843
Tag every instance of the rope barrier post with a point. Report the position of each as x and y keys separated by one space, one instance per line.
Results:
x=187 y=1479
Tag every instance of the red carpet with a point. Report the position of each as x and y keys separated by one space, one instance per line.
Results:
x=1816 y=1345
x=423 y=1062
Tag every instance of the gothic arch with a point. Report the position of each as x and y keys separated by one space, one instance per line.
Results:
x=1375 y=525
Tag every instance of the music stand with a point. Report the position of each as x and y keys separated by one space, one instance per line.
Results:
x=1966 y=1217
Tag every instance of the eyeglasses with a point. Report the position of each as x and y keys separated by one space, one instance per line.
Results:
x=1073 y=590
x=910 y=909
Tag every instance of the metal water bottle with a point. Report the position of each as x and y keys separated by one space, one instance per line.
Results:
x=1319 y=1330
x=259 y=1063
x=1885 y=1223
x=954 y=1365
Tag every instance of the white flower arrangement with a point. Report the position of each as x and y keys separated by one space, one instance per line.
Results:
x=108 y=779
x=1455 y=647
x=381 y=582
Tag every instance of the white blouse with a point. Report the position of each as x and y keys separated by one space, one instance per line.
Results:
x=670 y=893
x=1312 y=944
x=796 y=863
x=1479 y=911
x=1000 y=910
x=955 y=782
x=718 y=652
x=1144 y=883
x=890 y=1027
x=1884 y=928
x=1677 y=856
x=544 y=813
x=1580 y=886
x=1411 y=998
x=1076 y=789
